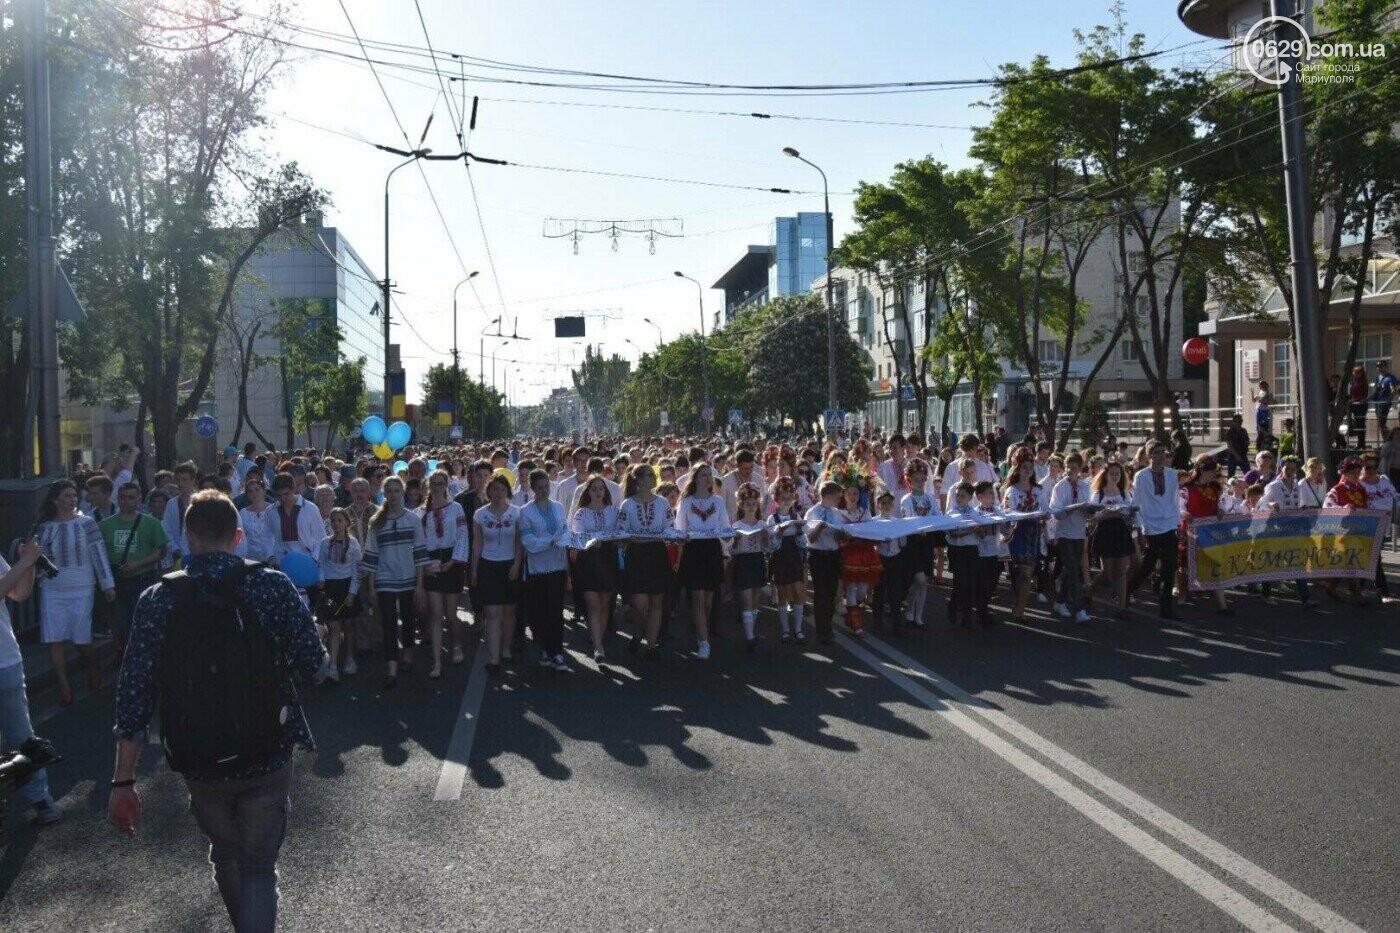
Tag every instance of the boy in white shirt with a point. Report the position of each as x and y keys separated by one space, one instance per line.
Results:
x=1070 y=533
x=894 y=576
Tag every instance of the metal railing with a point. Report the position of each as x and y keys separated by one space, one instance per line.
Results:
x=1199 y=423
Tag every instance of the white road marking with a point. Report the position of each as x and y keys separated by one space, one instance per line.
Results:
x=1232 y=902
x=459 y=748
x=1316 y=914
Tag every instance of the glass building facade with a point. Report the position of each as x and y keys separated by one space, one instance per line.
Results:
x=799 y=253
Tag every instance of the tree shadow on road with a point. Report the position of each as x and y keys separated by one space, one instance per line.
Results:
x=634 y=707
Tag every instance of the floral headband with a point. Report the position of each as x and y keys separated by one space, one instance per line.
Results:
x=784 y=486
x=914 y=467
x=746 y=492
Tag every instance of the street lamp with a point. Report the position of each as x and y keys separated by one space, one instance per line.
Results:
x=830 y=309
x=481 y=375
x=659 y=341
x=413 y=156
x=456 y=356
x=704 y=351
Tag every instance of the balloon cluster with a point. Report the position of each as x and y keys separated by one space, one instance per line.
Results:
x=385 y=439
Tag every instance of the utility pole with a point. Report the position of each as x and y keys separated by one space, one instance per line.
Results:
x=456 y=355
x=704 y=350
x=42 y=413
x=1309 y=318
x=830 y=308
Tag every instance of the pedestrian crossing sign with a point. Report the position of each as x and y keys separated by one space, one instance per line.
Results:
x=833 y=420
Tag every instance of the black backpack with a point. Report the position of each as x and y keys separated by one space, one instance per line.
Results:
x=221 y=708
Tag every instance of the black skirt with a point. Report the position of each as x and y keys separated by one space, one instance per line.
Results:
x=334 y=602
x=647 y=569
x=702 y=565
x=785 y=565
x=1112 y=539
x=595 y=570
x=450 y=578
x=749 y=571
x=494 y=586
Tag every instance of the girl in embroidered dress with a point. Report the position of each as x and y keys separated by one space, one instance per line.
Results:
x=1023 y=494
x=860 y=561
x=787 y=564
x=748 y=564
x=702 y=515
x=338 y=558
x=594 y=569
x=648 y=575
x=448 y=540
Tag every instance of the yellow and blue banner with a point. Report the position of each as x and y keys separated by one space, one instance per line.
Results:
x=1306 y=544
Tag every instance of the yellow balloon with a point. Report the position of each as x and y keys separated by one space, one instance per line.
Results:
x=510 y=477
x=382 y=451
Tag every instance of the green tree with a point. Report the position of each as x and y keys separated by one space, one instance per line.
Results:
x=1354 y=174
x=908 y=236
x=483 y=410
x=161 y=200
x=308 y=337
x=599 y=380
x=786 y=372
x=540 y=421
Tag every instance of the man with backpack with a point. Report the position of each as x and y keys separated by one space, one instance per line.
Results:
x=214 y=646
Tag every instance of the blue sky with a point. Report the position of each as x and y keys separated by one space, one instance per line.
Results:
x=750 y=43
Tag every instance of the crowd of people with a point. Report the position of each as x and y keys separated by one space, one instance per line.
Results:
x=638 y=532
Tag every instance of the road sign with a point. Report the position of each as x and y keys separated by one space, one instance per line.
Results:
x=707 y=414
x=833 y=420
x=906 y=393
x=206 y=426
x=736 y=416
x=665 y=419
x=455 y=433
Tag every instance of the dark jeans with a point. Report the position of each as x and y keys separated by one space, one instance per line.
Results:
x=544 y=607
x=962 y=560
x=245 y=821
x=988 y=573
x=1161 y=552
x=826 y=579
x=892 y=588
x=392 y=608
x=1071 y=593
x=129 y=590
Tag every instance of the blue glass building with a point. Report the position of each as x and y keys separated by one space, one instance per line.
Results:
x=794 y=258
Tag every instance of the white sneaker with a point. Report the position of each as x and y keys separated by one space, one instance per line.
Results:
x=332 y=673
x=1042 y=598
x=1062 y=610
x=351 y=668
x=1082 y=618
x=703 y=652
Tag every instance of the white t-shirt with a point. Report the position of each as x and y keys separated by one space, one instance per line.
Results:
x=497 y=532
x=9 y=647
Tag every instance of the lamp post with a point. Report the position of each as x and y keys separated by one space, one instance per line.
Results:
x=481 y=375
x=704 y=351
x=659 y=341
x=456 y=356
x=830 y=310
x=413 y=156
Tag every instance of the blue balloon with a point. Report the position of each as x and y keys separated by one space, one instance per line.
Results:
x=401 y=466
x=398 y=436
x=432 y=465
x=301 y=569
x=373 y=430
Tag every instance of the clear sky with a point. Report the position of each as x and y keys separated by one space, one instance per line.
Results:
x=750 y=43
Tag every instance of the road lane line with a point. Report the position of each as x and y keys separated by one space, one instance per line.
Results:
x=1310 y=910
x=459 y=748
x=1232 y=902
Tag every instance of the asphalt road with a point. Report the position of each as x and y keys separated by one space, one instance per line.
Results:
x=1213 y=774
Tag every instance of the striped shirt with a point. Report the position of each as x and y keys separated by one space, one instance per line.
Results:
x=78 y=551
x=394 y=552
